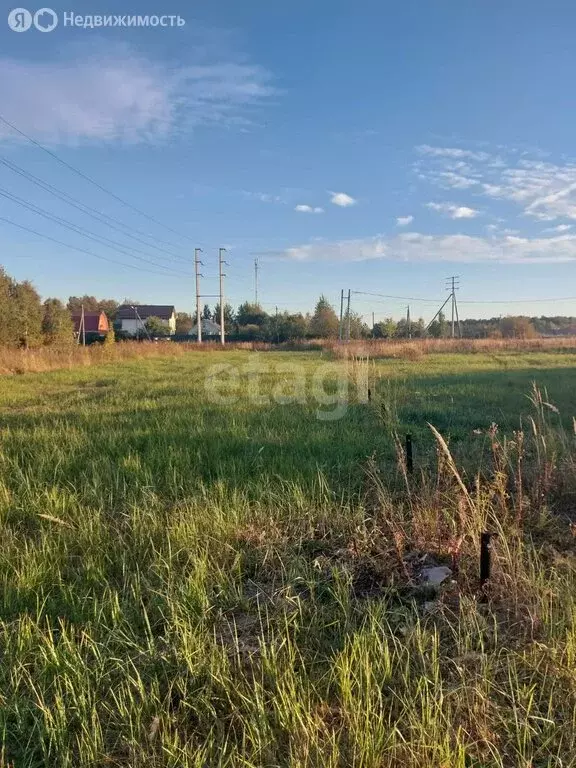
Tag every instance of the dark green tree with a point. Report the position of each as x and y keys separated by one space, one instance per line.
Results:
x=324 y=323
x=250 y=314
x=385 y=329
x=9 y=325
x=92 y=304
x=228 y=314
x=29 y=313
x=57 y=327
x=156 y=327
x=517 y=328
x=293 y=327
x=183 y=322
x=439 y=328
x=358 y=328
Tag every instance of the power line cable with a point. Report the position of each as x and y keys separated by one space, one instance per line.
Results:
x=81 y=250
x=520 y=301
x=81 y=231
x=91 y=180
x=396 y=302
x=468 y=301
x=103 y=218
x=400 y=298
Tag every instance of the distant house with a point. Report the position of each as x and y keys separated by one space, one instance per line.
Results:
x=94 y=322
x=131 y=319
x=210 y=329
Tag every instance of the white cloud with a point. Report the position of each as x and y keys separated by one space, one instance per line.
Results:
x=542 y=190
x=454 y=211
x=457 y=181
x=452 y=152
x=342 y=199
x=499 y=230
x=308 y=209
x=264 y=197
x=118 y=95
x=415 y=247
x=403 y=221
x=560 y=228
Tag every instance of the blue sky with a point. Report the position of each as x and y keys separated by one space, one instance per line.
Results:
x=372 y=146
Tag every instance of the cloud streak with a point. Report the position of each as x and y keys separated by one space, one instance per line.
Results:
x=541 y=190
x=419 y=248
x=452 y=152
x=118 y=95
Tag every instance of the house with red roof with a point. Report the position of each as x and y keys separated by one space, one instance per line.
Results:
x=94 y=322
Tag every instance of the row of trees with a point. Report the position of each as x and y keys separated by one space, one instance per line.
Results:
x=250 y=322
x=26 y=321
x=251 y=314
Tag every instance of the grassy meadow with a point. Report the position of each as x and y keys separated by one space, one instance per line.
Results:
x=215 y=559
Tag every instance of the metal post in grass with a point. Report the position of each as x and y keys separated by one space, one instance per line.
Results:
x=409 y=455
x=485 y=559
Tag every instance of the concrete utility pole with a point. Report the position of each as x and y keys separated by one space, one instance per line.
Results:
x=256 y=281
x=341 y=326
x=453 y=286
x=142 y=323
x=348 y=316
x=221 y=262
x=83 y=326
x=408 y=322
x=197 y=263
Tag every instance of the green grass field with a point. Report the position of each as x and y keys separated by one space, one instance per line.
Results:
x=197 y=573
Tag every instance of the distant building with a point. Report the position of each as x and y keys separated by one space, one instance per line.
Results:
x=210 y=329
x=131 y=319
x=94 y=322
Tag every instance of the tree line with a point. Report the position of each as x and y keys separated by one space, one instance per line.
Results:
x=27 y=321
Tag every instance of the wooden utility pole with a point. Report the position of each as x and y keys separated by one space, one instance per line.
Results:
x=408 y=322
x=221 y=262
x=197 y=263
x=256 y=281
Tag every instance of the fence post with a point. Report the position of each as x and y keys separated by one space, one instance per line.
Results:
x=409 y=454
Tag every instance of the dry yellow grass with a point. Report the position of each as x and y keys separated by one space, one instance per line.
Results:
x=416 y=348
x=15 y=361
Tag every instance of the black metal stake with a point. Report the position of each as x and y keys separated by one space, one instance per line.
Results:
x=485 y=558
x=409 y=455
